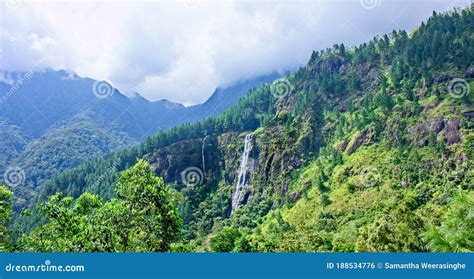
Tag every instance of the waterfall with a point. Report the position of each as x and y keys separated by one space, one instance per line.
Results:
x=243 y=179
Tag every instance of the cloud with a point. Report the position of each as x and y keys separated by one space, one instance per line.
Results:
x=183 y=50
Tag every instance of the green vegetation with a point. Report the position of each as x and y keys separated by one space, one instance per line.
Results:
x=144 y=218
x=368 y=149
x=225 y=240
x=5 y=215
x=455 y=231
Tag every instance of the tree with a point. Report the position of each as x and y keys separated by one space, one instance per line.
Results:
x=396 y=231
x=225 y=240
x=143 y=218
x=5 y=215
x=67 y=228
x=154 y=219
x=243 y=244
x=455 y=233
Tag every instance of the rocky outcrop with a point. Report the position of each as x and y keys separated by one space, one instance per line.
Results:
x=470 y=116
x=356 y=143
x=470 y=72
x=274 y=154
x=365 y=137
x=170 y=162
x=449 y=130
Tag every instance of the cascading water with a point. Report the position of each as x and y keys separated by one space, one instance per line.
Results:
x=243 y=179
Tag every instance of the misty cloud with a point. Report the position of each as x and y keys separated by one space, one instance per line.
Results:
x=183 y=50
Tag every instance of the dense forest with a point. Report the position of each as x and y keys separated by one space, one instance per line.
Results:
x=367 y=148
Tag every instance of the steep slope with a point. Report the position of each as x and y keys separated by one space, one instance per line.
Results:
x=223 y=98
x=55 y=120
x=361 y=150
x=67 y=145
x=12 y=143
x=36 y=101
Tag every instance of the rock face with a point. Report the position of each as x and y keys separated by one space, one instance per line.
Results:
x=230 y=146
x=449 y=130
x=470 y=72
x=170 y=162
x=470 y=116
x=364 y=137
x=274 y=153
x=356 y=143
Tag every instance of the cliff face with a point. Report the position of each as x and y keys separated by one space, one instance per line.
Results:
x=445 y=130
x=215 y=160
x=169 y=162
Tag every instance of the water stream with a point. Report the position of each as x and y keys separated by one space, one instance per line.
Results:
x=243 y=179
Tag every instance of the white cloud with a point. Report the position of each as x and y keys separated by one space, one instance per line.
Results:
x=182 y=50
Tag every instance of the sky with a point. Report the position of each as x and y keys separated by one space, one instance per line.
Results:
x=183 y=50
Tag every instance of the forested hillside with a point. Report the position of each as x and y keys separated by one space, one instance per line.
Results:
x=363 y=149
x=51 y=121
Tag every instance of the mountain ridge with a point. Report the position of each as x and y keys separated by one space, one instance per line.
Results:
x=363 y=149
x=44 y=105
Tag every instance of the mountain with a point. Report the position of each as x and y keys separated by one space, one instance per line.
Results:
x=45 y=98
x=55 y=120
x=362 y=149
x=223 y=98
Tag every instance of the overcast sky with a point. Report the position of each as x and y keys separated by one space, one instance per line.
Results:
x=183 y=50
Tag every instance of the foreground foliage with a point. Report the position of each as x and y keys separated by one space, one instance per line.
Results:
x=5 y=215
x=144 y=218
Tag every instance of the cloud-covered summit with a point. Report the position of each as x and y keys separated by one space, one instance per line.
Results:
x=183 y=50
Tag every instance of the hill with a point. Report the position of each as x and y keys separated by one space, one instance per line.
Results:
x=363 y=149
x=56 y=120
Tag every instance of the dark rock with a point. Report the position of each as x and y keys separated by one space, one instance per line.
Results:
x=443 y=77
x=436 y=126
x=451 y=129
x=462 y=157
x=343 y=145
x=470 y=72
x=169 y=162
x=452 y=133
x=358 y=141
x=294 y=197
x=469 y=115
x=283 y=189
